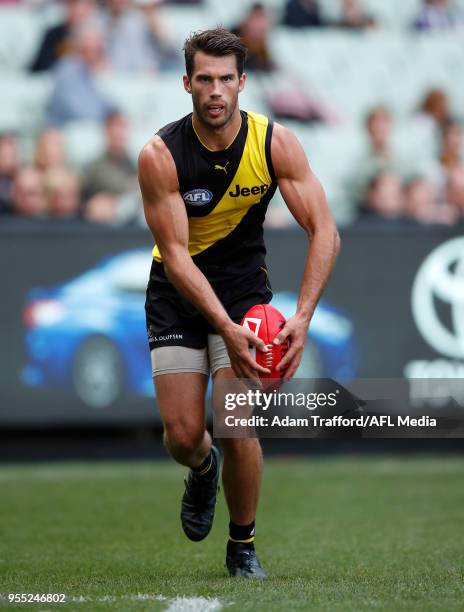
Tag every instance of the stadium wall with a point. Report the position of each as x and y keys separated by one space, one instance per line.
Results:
x=391 y=309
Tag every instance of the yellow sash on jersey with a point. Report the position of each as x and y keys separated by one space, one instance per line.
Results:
x=252 y=178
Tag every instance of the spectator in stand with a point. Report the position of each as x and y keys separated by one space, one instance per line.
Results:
x=168 y=54
x=75 y=94
x=420 y=204
x=435 y=108
x=383 y=197
x=135 y=38
x=449 y=159
x=58 y=40
x=28 y=197
x=50 y=151
x=379 y=157
x=354 y=18
x=114 y=172
x=379 y=132
x=455 y=192
x=451 y=146
x=102 y=208
x=419 y=200
x=439 y=15
x=60 y=182
x=111 y=176
x=62 y=193
x=303 y=14
x=9 y=164
x=254 y=31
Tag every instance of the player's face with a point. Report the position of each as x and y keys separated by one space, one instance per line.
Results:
x=214 y=85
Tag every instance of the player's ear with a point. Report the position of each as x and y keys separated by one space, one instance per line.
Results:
x=186 y=81
x=241 y=81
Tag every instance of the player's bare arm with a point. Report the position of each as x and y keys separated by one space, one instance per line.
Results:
x=167 y=219
x=305 y=198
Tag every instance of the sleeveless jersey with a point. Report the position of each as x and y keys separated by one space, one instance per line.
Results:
x=226 y=194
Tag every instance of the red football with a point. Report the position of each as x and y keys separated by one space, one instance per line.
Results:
x=265 y=321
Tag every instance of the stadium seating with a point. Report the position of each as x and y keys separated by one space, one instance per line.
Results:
x=21 y=29
x=23 y=101
x=351 y=71
x=396 y=14
x=84 y=142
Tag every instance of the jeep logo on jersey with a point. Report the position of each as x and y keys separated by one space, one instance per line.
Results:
x=247 y=191
x=198 y=197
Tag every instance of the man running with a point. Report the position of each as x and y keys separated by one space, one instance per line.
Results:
x=206 y=182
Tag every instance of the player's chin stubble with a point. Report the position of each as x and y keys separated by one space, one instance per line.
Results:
x=212 y=123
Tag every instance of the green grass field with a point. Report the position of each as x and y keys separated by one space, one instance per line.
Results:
x=335 y=534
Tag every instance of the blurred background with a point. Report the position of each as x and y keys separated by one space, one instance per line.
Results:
x=373 y=90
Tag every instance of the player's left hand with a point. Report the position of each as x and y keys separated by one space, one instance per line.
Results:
x=295 y=330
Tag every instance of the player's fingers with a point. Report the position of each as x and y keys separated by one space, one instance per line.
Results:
x=282 y=335
x=292 y=368
x=250 y=374
x=245 y=367
x=283 y=363
x=254 y=365
x=237 y=368
x=255 y=341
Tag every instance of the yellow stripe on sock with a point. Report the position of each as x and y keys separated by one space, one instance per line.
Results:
x=207 y=469
x=252 y=539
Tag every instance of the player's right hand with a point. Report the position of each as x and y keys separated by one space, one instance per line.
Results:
x=238 y=340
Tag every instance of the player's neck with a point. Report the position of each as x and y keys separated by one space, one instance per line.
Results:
x=217 y=139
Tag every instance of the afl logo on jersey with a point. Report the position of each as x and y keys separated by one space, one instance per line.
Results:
x=198 y=197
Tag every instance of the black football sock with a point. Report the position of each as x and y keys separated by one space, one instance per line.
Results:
x=206 y=468
x=241 y=534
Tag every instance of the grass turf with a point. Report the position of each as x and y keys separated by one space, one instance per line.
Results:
x=335 y=534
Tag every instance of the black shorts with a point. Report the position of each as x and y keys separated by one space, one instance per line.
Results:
x=174 y=321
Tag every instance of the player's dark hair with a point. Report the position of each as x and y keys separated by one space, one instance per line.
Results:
x=218 y=42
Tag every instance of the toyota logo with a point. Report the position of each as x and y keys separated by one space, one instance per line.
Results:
x=439 y=281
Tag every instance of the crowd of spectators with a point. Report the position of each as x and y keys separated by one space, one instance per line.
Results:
x=105 y=191
x=94 y=38
x=439 y=15
x=389 y=188
x=116 y=36
x=307 y=13
x=255 y=29
x=130 y=37
x=433 y=15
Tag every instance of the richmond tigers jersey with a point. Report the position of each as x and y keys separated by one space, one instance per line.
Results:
x=226 y=194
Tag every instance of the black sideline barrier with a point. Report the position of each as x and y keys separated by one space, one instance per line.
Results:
x=399 y=289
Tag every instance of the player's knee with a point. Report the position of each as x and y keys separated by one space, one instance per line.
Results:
x=182 y=441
